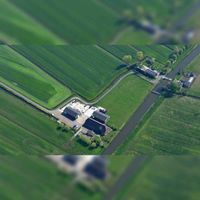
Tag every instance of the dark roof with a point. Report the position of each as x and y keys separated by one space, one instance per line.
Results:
x=97 y=168
x=71 y=113
x=151 y=72
x=95 y=126
x=100 y=116
x=72 y=160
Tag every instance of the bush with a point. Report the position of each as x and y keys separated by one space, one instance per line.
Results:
x=85 y=139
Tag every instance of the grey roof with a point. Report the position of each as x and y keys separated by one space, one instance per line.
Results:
x=100 y=116
x=71 y=111
x=151 y=72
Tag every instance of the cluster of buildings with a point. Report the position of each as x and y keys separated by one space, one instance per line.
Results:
x=86 y=118
x=84 y=168
x=147 y=71
x=188 y=80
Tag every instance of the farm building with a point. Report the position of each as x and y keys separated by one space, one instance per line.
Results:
x=71 y=113
x=189 y=81
x=101 y=117
x=95 y=126
x=148 y=71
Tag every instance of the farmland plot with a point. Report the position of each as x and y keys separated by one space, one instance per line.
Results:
x=86 y=70
x=20 y=74
x=122 y=101
x=26 y=130
x=159 y=178
x=172 y=129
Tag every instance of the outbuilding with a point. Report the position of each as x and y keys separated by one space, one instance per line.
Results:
x=101 y=117
x=95 y=126
x=71 y=113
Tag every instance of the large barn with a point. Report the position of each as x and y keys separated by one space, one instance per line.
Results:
x=95 y=126
x=101 y=117
x=71 y=113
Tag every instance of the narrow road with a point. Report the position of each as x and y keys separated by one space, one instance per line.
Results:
x=128 y=174
x=148 y=103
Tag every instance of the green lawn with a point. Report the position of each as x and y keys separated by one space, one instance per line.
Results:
x=26 y=78
x=123 y=100
x=166 y=178
x=33 y=178
x=26 y=130
x=172 y=129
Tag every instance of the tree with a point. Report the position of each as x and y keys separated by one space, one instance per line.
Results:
x=93 y=145
x=127 y=15
x=85 y=139
x=127 y=59
x=140 y=55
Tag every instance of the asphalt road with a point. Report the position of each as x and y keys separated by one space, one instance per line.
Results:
x=129 y=173
x=149 y=101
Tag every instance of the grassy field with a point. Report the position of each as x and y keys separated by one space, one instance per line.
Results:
x=174 y=177
x=19 y=27
x=36 y=178
x=72 y=21
x=77 y=67
x=160 y=11
x=195 y=67
x=26 y=130
x=122 y=101
x=26 y=78
x=172 y=129
x=97 y=21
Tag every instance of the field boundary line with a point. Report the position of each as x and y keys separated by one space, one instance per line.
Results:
x=108 y=53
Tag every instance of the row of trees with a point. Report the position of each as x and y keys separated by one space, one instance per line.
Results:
x=128 y=59
x=92 y=142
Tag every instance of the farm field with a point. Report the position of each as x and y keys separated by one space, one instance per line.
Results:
x=44 y=181
x=172 y=129
x=26 y=130
x=195 y=67
x=123 y=100
x=26 y=78
x=159 y=179
x=158 y=10
x=77 y=67
x=97 y=21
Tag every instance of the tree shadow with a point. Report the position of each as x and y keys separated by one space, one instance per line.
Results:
x=121 y=66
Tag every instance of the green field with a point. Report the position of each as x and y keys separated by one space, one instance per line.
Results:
x=166 y=178
x=71 y=21
x=195 y=67
x=122 y=101
x=172 y=129
x=26 y=130
x=36 y=178
x=78 y=22
x=77 y=67
x=23 y=76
